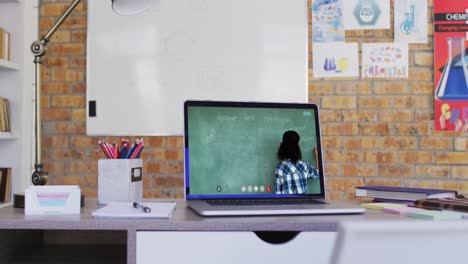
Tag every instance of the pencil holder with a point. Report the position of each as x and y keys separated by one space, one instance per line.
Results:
x=120 y=180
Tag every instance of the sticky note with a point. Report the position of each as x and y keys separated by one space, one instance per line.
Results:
x=434 y=215
x=380 y=206
x=401 y=211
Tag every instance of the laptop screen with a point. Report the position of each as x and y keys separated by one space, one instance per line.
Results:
x=231 y=148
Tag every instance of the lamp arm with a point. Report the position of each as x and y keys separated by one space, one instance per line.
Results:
x=39 y=49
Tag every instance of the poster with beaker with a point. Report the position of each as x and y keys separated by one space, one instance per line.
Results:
x=450 y=65
x=366 y=14
x=327 y=21
x=410 y=21
x=335 y=60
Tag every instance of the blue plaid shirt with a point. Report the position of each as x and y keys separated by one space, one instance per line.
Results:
x=292 y=178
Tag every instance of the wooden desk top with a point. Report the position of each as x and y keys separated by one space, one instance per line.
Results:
x=183 y=219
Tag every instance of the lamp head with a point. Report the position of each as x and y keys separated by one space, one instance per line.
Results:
x=129 y=7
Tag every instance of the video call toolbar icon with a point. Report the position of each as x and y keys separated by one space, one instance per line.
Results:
x=255 y=188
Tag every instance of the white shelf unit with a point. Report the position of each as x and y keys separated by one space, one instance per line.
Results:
x=8 y=65
x=20 y=18
x=6 y=135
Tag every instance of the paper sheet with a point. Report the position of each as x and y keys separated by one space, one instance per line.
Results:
x=385 y=60
x=327 y=21
x=366 y=14
x=410 y=23
x=335 y=60
x=126 y=210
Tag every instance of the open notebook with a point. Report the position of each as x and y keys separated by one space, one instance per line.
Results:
x=230 y=158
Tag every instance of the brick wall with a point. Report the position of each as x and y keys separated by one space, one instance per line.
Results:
x=374 y=131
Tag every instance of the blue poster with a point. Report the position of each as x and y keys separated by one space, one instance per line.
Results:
x=327 y=21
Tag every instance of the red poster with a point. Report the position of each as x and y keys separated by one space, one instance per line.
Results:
x=451 y=64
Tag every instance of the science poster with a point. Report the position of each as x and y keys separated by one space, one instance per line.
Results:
x=384 y=60
x=410 y=21
x=335 y=60
x=450 y=65
x=327 y=21
x=366 y=14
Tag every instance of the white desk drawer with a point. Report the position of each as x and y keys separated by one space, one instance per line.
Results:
x=230 y=247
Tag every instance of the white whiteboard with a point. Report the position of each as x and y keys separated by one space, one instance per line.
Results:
x=140 y=69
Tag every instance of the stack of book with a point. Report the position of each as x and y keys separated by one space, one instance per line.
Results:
x=4 y=115
x=5 y=185
x=5 y=44
x=402 y=194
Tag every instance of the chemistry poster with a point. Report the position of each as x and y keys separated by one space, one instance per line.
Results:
x=384 y=60
x=335 y=60
x=366 y=14
x=450 y=65
x=327 y=21
x=410 y=21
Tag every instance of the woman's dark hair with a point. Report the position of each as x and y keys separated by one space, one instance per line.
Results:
x=289 y=147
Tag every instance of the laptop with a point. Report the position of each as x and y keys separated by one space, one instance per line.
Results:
x=231 y=155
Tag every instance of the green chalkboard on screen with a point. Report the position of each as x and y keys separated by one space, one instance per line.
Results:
x=233 y=151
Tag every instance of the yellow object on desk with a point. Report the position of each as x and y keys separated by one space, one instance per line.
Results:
x=380 y=206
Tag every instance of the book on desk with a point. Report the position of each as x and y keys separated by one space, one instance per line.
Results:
x=402 y=193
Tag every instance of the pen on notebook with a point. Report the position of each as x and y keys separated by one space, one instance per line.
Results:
x=145 y=209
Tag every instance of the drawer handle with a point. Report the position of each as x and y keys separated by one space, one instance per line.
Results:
x=276 y=237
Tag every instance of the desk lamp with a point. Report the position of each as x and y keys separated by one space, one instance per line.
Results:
x=39 y=49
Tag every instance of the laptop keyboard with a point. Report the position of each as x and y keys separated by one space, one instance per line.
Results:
x=262 y=202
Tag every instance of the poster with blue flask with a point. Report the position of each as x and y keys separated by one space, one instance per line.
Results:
x=451 y=65
x=410 y=21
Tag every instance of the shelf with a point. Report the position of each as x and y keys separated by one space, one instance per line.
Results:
x=2 y=205
x=8 y=65
x=20 y=18
x=6 y=135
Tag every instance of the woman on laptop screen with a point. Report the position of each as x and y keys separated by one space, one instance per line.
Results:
x=291 y=173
